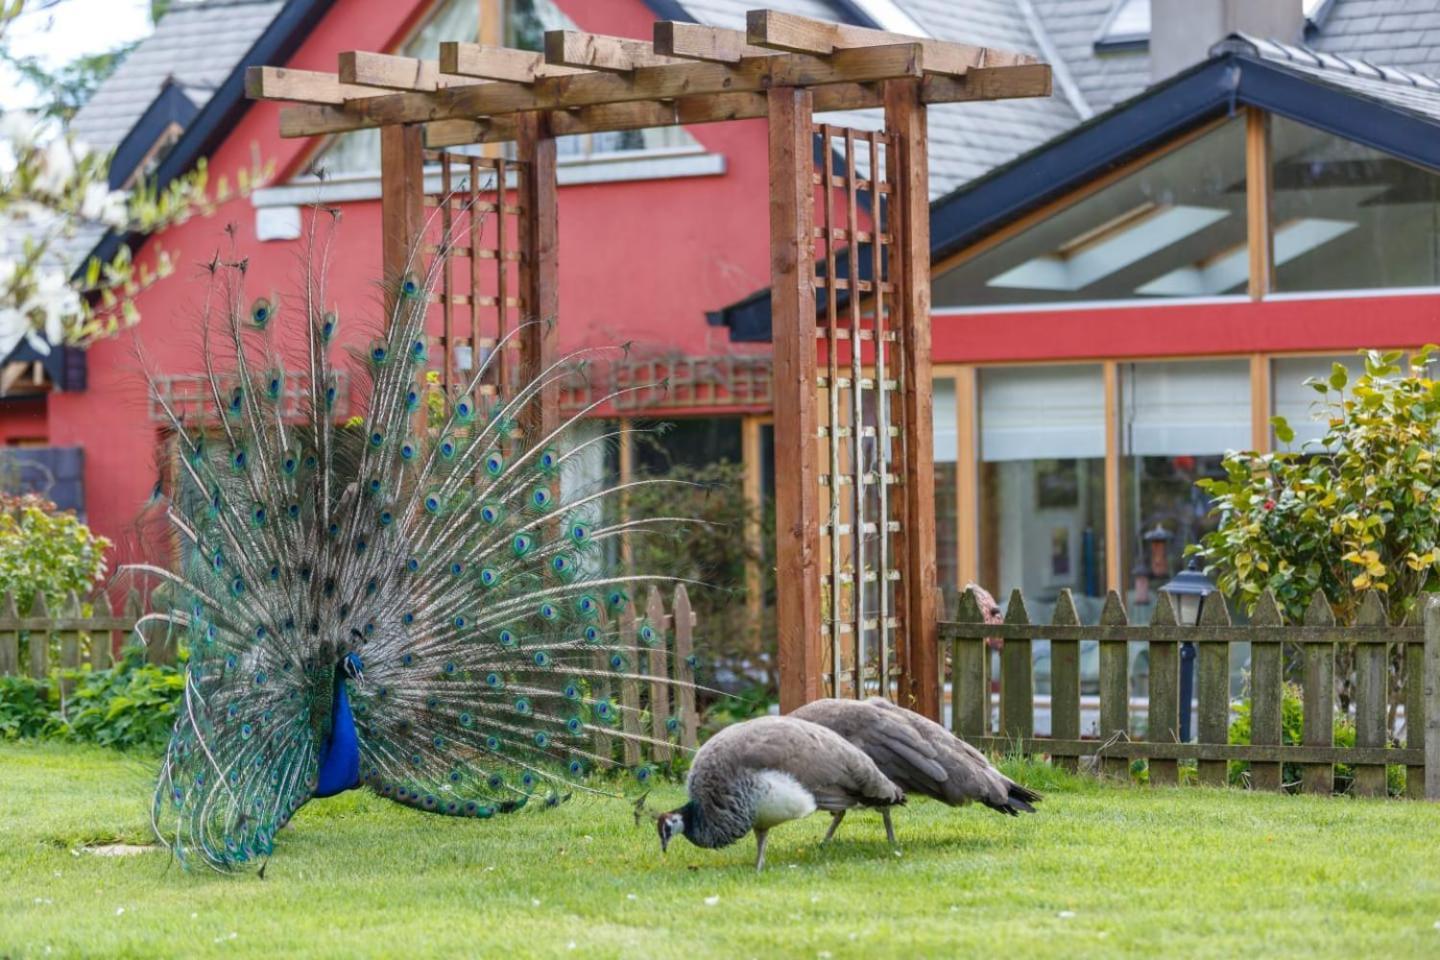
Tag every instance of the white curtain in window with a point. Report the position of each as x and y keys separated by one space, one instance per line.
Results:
x=946 y=434
x=1037 y=413
x=1187 y=408
x=1298 y=403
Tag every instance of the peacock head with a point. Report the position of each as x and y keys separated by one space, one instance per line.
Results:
x=668 y=825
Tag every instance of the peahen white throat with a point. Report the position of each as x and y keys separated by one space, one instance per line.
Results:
x=414 y=610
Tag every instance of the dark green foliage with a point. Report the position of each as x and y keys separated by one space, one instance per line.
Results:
x=130 y=705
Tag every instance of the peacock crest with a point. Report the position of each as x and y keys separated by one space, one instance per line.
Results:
x=410 y=600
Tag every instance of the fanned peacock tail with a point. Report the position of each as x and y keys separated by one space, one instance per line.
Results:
x=431 y=579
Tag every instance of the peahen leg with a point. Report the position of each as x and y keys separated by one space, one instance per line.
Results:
x=889 y=827
x=835 y=819
x=760 y=837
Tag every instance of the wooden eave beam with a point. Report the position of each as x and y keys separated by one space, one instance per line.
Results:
x=694 y=41
x=397 y=73
x=498 y=63
x=787 y=31
x=573 y=48
x=304 y=86
x=752 y=74
x=990 y=83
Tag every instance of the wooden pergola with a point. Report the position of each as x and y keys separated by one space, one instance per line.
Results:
x=853 y=444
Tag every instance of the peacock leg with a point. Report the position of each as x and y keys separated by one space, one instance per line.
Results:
x=760 y=837
x=889 y=827
x=835 y=819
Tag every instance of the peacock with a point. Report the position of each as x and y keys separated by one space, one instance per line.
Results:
x=419 y=608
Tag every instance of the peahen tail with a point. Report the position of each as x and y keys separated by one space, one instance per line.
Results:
x=412 y=600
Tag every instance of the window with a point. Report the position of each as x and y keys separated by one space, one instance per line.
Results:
x=358 y=152
x=1178 y=420
x=1173 y=228
x=1347 y=217
x=1042 y=485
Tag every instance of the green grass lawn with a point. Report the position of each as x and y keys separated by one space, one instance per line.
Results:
x=1101 y=871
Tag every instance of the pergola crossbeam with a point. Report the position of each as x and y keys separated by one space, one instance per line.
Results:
x=303 y=86
x=572 y=48
x=498 y=63
x=788 y=31
x=752 y=74
x=396 y=73
x=694 y=41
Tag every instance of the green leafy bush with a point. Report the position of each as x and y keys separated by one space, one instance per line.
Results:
x=130 y=705
x=1362 y=513
x=44 y=549
x=1292 y=732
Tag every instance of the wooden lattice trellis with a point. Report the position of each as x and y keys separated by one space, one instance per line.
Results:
x=855 y=524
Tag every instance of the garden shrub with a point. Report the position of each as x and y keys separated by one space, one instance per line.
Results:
x=130 y=705
x=45 y=549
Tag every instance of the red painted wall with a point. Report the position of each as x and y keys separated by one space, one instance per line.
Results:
x=639 y=261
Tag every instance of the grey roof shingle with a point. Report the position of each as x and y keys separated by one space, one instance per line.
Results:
x=197 y=42
x=1401 y=32
x=1104 y=78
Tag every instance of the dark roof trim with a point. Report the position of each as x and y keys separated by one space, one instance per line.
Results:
x=1210 y=89
x=170 y=106
x=217 y=119
x=670 y=10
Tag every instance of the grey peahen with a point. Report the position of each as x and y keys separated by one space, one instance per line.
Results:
x=418 y=609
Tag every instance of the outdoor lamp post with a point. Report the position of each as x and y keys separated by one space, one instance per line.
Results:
x=1188 y=591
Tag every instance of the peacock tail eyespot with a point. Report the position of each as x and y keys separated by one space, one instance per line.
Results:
x=328 y=325
x=237 y=587
x=507 y=639
x=456 y=568
x=418 y=353
x=386 y=518
x=466 y=720
x=643 y=773
x=260 y=679
x=447 y=449
x=438 y=742
x=294 y=511
x=617 y=662
x=522 y=544
x=494 y=681
x=408 y=451
x=571 y=691
x=261 y=311
x=238 y=460
x=333 y=530
x=412 y=400
x=494 y=463
x=527 y=780
x=369 y=629
x=495 y=781
x=459 y=623
x=542 y=739
x=218 y=561
x=577 y=768
x=586 y=605
x=579 y=532
x=379 y=353
x=464 y=411
x=575 y=725
x=274 y=387
x=377 y=439
x=542 y=659
x=548 y=611
x=593 y=634
x=376 y=486
x=361 y=544
x=407 y=618
x=310 y=462
x=409 y=285
x=647 y=634
x=289 y=464
x=416 y=759
x=540 y=498
x=672 y=724
x=617 y=599
x=489 y=577
x=258 y=515
x=489 y=514
x=455 y=776
x=432 y=504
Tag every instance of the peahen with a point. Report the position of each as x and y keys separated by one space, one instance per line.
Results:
x=419 y=610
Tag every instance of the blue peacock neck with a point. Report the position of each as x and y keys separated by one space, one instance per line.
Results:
x=340 y=756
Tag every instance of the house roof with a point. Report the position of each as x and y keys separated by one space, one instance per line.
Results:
x=1392 y=110
x=196 y=44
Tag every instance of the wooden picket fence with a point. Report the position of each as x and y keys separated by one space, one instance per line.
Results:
x=670 y=654
x=42 y=641
x=1114 y=746
x=70 y=637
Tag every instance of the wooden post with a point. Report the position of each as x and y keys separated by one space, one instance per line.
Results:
x=1318 y=681
x=1165 y=707
x=39 y=641
x=1114 y=531
x=967 y=479
x=910 y=271
x=659 y=667
x=797 y=500
x=1065 y=680
x=1432 y=698
x=1261 y=403
x=1017 y=680
x=684 y=671
x=1114 y=685
x=1260 y=238
x=539 y=250
x=1267 y=679
x=751 y=456
x=9 y=638
x=402 y=199
x=970 y=682
x=1372 y=682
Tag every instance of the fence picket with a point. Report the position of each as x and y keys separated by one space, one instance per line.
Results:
x=1114 y=684
x=1414 y=700
x=1213 y=669
x=1017 y=682
x=658 y=651
x=600 y=693
x=1266 y=692
x=684 y=665
x=1371 y=683
x=39 y=641
x=629 y=687
x=69 y=642
x=970 y=686
x=1430 y=686
x=1164 y=723
x=1319 y=697
x=102 y=642
x=9 y=637
x=1065 y=680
